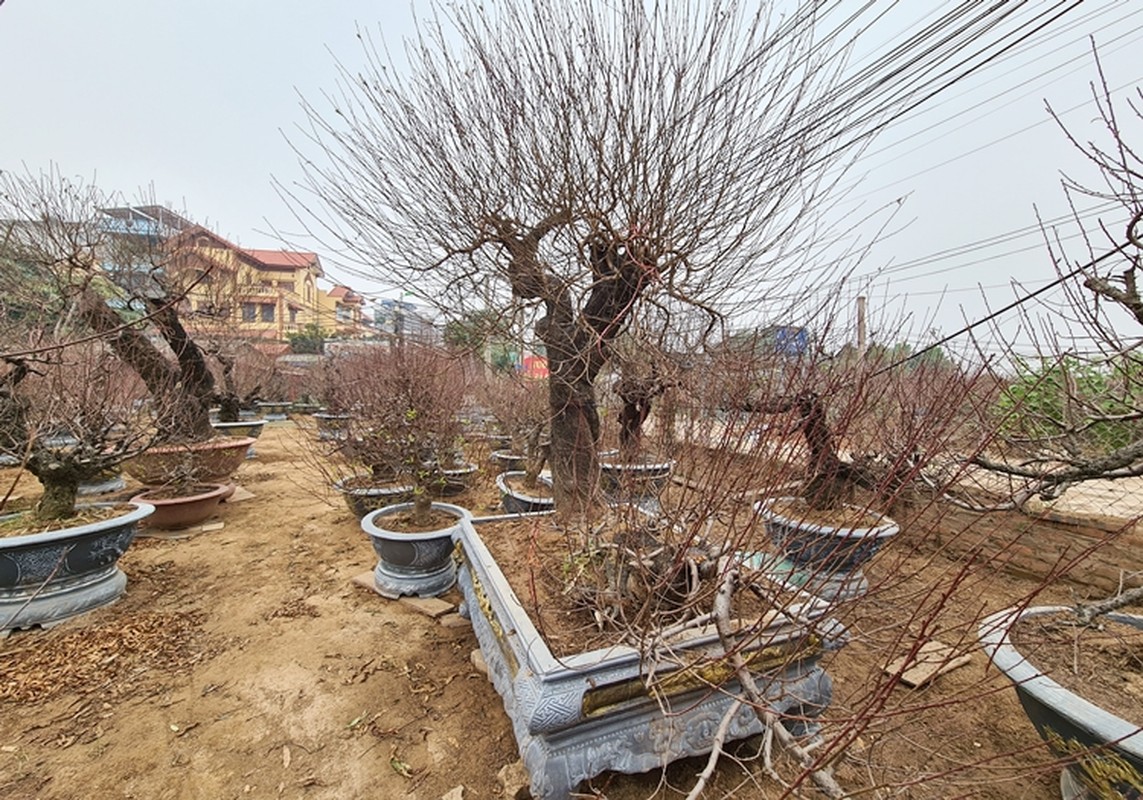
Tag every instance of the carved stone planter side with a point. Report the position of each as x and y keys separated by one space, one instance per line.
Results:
x=592 y=711
x=48 y=577
x=1107 y=750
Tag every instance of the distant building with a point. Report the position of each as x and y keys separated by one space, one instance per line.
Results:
x=401 y=320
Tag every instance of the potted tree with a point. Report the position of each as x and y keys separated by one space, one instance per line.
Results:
x=407 y=402
x=633 y=474
x=520 y=408
x=60 y=558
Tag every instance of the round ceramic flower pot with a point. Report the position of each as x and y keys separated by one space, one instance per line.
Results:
x=454 y=481
x=48 y=577
x=363 y=497
x=210 y=461
x=519 y=501
x=833 y=548
x=1106 y=751
x=331 y=427
x=183 y=510
x=275 y=411
x=823 y=559
x=250 y=427
x=638 y=482
x=418 y=563
x=508 y=461
x=105 y=484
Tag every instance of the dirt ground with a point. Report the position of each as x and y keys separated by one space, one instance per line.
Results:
x=243 y=662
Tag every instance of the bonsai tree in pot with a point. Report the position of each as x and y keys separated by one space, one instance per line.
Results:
x=519 y=405
x=121 y=282
x=405 y=429
x=67 y=416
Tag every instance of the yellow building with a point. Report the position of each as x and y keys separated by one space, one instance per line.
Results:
x=258 y=294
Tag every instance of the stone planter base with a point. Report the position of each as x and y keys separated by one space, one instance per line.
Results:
x=275 y=411
x=48 y=577
x=581 y=714
x=107 y=485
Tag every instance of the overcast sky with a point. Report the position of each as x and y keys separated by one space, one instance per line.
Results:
x=192 y=99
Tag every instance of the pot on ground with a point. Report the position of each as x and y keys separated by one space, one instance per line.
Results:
x=516 y=500
x=48 y=577
x=275 y=410
x=363 y=495
x=617 y=708
x=454 y=480
x=418 y=563
x=508 y=461
x=190 y=506
x=636 y=482
x=823 y=558
x=110 y=481
x=210 y=461
x=246 y=428
x=331 y=427
x=1106 y=751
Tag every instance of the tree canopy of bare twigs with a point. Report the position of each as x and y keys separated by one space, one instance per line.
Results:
x=594 y=159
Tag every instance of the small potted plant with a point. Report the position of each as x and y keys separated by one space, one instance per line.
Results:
x=520 y=407
x=417 y=403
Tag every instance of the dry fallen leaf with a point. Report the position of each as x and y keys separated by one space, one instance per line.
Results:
x=400 y=767
x=285 y=757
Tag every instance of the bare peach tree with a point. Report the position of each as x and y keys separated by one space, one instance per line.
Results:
x=107 y=280
x=592 y=160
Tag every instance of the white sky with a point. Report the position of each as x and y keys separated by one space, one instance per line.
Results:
x=192 y=98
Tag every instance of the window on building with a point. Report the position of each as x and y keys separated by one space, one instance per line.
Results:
x=293 y=316
x=286 y=286
x=249 y=312
x=342 y=314
x=267 y=312
x=266 y=284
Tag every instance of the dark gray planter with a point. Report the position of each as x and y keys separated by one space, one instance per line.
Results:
x=331 y=427
x=454 y=481
x=825 y=561
x=362 y=500
x=579 y=715
x=1107 y=750
x=639 y=483
x=105 y=484
x=275 y=411
x=249 y=427
x=515 y=501
x=48 y=577
x=508 y=461
x=419 y=564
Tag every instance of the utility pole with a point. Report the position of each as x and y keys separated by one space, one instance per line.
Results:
x=861 y=327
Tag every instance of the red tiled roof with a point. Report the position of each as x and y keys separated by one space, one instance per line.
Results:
x=282 y=258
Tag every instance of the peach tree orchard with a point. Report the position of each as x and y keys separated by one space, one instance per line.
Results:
x=591 y=161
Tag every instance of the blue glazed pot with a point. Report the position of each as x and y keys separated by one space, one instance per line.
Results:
x=1106 y=750
x=48 y=577
x=807 y=544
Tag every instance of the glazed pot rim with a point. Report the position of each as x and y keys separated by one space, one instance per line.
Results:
x=221 y=443
x=994 y=638
x=215 y=490
x=882 y=530
x=502 y=485
x=636 y=466
x=370 y=526
x=141 y=511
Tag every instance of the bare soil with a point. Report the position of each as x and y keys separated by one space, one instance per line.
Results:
x=1101 y=662
x=243 y=662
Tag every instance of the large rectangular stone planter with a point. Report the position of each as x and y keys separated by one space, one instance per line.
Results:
x=617 y=708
